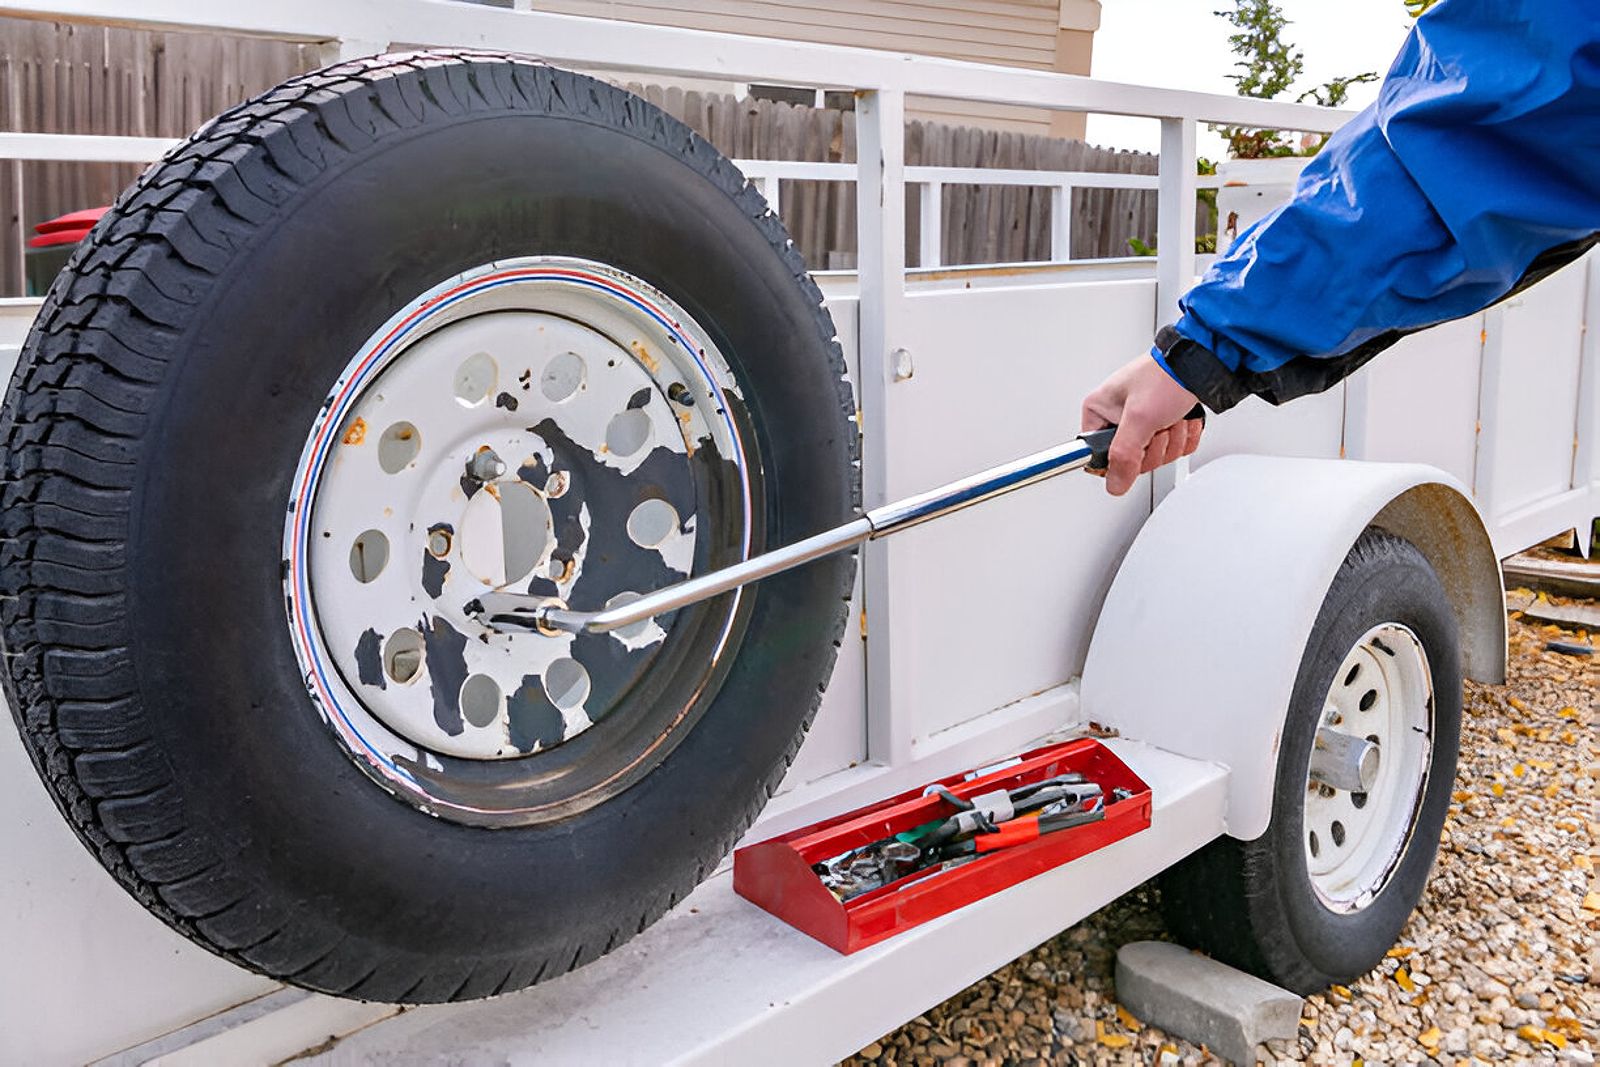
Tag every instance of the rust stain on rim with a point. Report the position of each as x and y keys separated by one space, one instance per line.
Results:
x=643 y=355
x=357 y=432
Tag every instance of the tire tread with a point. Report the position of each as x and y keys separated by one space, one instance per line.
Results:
x=71 y=427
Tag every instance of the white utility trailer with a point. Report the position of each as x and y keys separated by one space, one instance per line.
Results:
x=1183 y=634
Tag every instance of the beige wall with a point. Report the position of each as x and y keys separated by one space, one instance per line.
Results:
x=1043 y=34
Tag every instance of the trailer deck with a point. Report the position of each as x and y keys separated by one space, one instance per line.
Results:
x=720 y=981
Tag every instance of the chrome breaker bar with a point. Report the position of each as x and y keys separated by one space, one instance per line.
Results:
x=525 y=612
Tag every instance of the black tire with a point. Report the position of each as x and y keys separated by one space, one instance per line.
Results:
x=1251 y=903
x=151 y=431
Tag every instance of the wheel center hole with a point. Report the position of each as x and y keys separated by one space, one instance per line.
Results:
x=506 y=532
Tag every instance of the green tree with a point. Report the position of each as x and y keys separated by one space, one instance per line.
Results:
x=1268 y=65
x=1334 y=93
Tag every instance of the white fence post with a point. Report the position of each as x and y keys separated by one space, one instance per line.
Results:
x=931 y=218
x=881 y=268
x=1060 y=223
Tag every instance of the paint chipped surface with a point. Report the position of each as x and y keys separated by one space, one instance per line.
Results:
x=566 y=462
x=556 y=448
x=444 y=653
x=535 y=723
x=436 y=565
x=369 y=659
x=356 y=433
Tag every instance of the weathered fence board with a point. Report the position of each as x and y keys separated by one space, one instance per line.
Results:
x=981 y=224
x=67 y=78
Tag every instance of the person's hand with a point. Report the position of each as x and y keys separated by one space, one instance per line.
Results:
x=1148 y=407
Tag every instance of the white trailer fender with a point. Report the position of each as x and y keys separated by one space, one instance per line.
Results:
x=1200 y=639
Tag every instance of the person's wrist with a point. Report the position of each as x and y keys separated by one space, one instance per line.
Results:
x=1198 y=370
x=1161 y=361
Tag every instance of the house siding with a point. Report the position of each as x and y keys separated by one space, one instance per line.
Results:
x=1023 y=33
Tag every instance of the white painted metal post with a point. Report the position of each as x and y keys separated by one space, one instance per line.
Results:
x=1175 y=220
x=1586 y=446
x=1489 y=415
x=1357 y=415
x=17 y=207
x=1586 y=436
x=1060 y=223
x=931 y=224
x=771 y=187
x=331 y=52
x=881 y=267
x=1175 y=217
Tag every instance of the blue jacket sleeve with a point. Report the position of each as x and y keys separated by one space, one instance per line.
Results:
x=1478 y=168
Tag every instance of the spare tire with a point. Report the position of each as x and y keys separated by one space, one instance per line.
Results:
x=392 y=334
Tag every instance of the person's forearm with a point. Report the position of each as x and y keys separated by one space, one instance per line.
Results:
x=1478 y=166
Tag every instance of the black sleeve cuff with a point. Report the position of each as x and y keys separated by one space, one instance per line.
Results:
x=1202 y=373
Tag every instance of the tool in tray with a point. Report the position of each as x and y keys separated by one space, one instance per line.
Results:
x=859 y=878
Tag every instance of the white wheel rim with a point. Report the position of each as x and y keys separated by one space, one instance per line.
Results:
x=398 y=518
x=1353 y=841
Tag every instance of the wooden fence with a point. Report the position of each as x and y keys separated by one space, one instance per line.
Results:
x=981 y=224
x=65 y=78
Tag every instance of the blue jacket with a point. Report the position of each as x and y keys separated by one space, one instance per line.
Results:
x=1475 y=173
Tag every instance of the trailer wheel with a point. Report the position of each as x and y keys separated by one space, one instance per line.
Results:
x=390 y=335
x=1324 y=893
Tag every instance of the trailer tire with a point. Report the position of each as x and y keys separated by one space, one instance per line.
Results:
x=1267 y=906
x=151 y=433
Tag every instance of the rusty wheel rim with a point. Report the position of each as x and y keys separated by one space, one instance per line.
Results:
x=543 y=425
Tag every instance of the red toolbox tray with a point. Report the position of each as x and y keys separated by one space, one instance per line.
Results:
x=776 y=874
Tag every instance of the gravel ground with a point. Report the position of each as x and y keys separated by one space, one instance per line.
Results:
x=1498 y=964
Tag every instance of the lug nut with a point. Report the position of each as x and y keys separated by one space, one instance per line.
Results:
x=485 y=466
x=556 y=485
x=439 y=543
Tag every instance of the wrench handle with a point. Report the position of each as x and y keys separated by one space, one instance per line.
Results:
x=1099 y=441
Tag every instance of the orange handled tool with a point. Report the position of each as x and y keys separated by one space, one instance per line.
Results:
x=1015 y=832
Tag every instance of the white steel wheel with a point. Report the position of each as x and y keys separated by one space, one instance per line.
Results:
x=1382 y=694
x=1365 y=765
x=544 y=425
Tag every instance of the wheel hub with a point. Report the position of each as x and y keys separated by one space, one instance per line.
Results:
x=1376 y=731
x=545 y=437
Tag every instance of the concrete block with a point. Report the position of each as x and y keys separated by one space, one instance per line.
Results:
x=1203 y=1001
